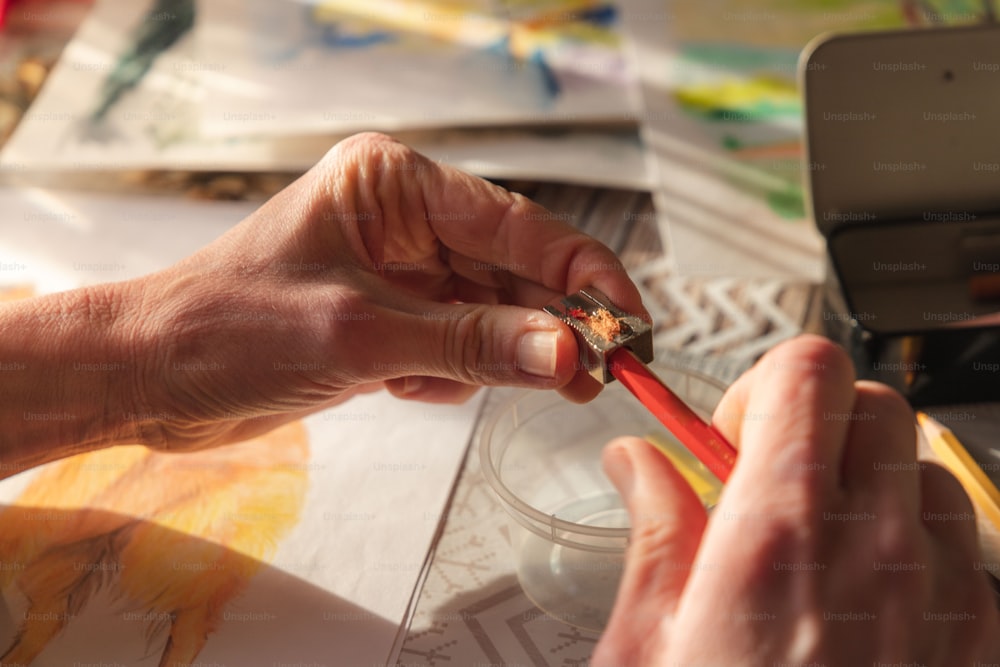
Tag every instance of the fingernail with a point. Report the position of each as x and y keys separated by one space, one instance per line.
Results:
x=412 y=384
x=536 y=353
x=618 y=467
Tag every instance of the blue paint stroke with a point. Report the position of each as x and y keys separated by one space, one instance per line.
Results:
x=548 y=75
x=602 y=16
x=535 y=65
x=333 y=36
x=162 y=26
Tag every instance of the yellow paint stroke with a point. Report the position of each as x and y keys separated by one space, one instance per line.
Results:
x=15 y=292
x=469 y=25
x=749 y=100
x=702 y=481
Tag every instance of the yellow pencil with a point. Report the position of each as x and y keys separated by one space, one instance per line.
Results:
x=952 y=454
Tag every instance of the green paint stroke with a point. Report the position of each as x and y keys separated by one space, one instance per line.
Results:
x=789 y=203
x=750 y=84
x=741 y=58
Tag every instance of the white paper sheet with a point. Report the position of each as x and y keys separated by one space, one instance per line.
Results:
x=376 y=477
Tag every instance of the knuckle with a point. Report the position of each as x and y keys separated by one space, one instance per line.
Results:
x=652 y=544
x=335 y=315
x=897 y=538
x=364 y=142
x=784 y=540
x=464 y=339
x=885 y=403
x=795 y=504
x=786 y=554
x=370 y=152
x=808 y=353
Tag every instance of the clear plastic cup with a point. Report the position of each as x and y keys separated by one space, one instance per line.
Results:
x=541 y=454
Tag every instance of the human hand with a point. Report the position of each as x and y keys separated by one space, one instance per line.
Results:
x=349 y=280
x=831 y=545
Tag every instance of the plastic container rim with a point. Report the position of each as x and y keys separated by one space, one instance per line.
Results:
x=534 y=515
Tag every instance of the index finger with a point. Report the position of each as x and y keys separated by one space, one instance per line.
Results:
x=791 y=443
x=486 y=223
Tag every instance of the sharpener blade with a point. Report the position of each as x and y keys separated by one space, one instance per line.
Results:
x=579 y=310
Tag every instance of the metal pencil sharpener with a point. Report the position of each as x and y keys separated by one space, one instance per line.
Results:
x=602 y=328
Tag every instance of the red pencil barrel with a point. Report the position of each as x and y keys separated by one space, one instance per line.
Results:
x=700 y=438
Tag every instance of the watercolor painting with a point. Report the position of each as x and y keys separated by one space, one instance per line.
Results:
x=531 y=35
x=172 y=538
x=336 y=65
x=130 y=89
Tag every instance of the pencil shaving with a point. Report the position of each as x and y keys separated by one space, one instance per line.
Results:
x=605 y=324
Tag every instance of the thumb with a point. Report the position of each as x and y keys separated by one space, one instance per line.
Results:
x=668 y=520
x=477 y=344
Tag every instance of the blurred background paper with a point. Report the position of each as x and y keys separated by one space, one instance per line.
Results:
x=572 y=91
x=282 y=66
x=85 y=118
x=723 y=121
x=304 y=546
x=610 y=158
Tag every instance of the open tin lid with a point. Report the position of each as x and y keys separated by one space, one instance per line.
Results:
x=903 y=125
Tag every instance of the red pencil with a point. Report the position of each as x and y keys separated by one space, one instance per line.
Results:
x=701 y=439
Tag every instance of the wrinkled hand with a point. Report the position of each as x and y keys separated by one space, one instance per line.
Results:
x=377 y=268
x=830 y=545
